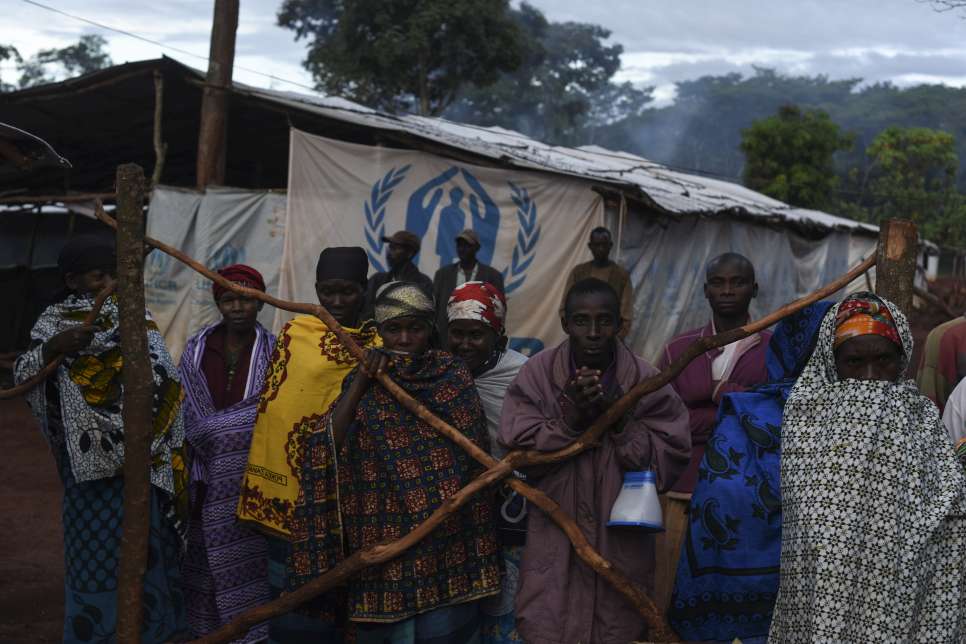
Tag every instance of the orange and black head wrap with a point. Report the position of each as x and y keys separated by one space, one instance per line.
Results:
x=864 y=314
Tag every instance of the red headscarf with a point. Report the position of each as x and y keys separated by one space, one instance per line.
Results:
x=480 y=301
x=239 y=274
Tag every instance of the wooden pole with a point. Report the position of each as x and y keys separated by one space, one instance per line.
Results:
x=160 y=147
x=214 y=101
x=138 y=384
x=895 y=270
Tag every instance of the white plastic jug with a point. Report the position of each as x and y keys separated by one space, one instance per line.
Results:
x=637 y=504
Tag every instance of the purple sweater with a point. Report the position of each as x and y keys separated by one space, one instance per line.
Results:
x=698 y=392
x=561 y=600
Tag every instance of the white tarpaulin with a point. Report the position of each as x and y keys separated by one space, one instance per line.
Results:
x=220 y=227
x=667 y=259
x=533 y=226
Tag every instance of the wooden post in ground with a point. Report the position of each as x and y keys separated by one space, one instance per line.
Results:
x=895 y=268
x=138 y=382
x=212 y=134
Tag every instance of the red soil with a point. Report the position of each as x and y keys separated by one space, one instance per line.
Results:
x=31 y=538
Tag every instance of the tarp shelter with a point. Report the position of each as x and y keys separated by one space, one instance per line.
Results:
x=669 y=223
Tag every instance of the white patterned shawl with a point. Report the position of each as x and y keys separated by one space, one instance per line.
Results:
x=874 y=511
x=90 y=428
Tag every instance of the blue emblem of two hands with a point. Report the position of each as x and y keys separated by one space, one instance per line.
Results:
x=453 y=204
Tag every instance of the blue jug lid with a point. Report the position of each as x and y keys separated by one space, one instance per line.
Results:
x=646 y=476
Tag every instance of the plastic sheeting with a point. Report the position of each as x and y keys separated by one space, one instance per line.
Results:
x=220 y=227
x=667 y=258
x=532 y=226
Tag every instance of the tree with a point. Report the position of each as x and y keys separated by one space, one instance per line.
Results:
x=789 y=156
x=562 y=86
x=913 y=176
x=405 y=55
x=85 y=56
x=8 y=52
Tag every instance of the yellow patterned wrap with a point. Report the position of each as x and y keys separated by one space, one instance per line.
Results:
x=308 y=367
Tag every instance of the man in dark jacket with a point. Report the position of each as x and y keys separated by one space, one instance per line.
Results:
x=467 y=269
x=403 y=247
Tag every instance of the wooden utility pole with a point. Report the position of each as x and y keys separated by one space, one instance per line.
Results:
x=137 y=381
x=895 y=269
x=212 y=134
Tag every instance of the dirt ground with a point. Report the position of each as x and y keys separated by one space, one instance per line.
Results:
x=31 y=540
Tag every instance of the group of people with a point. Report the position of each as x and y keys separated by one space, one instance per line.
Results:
x=809 y=491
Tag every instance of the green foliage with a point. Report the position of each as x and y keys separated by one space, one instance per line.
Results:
x=702 y=129
x=790 y=156
x=8 y=52
x=562 y=88
x=49 y=65
x=404 y=55
x=912 y=175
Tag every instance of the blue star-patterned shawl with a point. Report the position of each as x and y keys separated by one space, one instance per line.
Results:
x=727 y=577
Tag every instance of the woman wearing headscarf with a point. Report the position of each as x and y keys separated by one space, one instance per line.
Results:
x=874 y=501
x=393 y=470
x=222 y=370
x=80 y=413
x=727 y=575
x=476 y=313
x=307 y=368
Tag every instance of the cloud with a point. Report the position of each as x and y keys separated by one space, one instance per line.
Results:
x=185 y=25
x=902 y=41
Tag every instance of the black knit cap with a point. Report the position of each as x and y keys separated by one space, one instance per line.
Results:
x=86 y=253
x=343 y=263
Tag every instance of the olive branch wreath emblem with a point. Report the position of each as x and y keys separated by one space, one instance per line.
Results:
x=375 y=211
x=527 y=237
x=528 y=234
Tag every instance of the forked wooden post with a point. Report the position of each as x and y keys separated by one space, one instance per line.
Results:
x=895 y=269
x=138 y=383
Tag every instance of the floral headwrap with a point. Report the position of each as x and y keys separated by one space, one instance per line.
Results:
x=864 y=314
x=479 y=301
x=403 y=299
x=239 y=274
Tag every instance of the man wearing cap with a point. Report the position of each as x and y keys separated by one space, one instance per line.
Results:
x=305 y=377
x=403 y=247
x=467 y=269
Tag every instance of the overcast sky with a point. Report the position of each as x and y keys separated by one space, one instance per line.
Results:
x=903 y=41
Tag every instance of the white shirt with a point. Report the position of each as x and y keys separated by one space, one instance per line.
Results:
x=954 y=414
x=461 y=276
x=720 y=364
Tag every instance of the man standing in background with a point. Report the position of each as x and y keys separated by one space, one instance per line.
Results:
x=729 y=286
x=467 y=269
x=602 y=268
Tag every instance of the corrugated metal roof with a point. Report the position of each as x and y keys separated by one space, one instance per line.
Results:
x=670 y=190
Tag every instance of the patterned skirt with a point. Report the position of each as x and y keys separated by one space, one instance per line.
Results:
x=499 y=620
x=92 y=514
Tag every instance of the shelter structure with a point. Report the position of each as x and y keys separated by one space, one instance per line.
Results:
x=668 y=223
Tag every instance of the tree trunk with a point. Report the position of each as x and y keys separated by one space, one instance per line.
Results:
x=895 y=268
x=138 y=385
x=214 y=101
